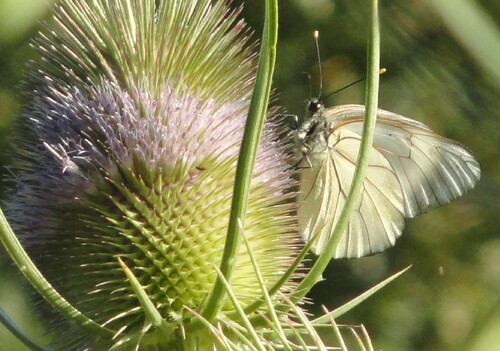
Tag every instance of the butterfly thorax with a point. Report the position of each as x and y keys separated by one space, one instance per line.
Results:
x=312 y=136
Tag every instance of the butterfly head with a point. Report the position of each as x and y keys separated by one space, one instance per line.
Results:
x=314 y=106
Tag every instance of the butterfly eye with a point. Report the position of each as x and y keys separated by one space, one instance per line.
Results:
x=314 y=106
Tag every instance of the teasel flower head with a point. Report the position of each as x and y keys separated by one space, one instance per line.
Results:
x=127 y=149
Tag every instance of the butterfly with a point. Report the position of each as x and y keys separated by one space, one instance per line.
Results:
x=410 y=170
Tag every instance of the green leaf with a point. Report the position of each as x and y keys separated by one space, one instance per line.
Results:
x=357 y=300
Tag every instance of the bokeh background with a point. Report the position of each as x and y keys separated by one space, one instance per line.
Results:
x=443 y=62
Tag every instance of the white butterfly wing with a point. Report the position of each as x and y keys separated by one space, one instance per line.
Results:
x=410 y=170
x=377 y=221
x=431 y=169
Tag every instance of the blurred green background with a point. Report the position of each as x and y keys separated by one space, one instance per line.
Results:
x=443 y=62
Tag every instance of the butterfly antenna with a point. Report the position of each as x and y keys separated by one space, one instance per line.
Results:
x=316 y=41
x=380 y=72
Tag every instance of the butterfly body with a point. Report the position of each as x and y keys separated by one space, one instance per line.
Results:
x=410 y=170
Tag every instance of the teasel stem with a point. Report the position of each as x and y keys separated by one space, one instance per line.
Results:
x=246 y=159
x=372 y=86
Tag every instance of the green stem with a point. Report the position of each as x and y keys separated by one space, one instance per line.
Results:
x=352 y=200
x=246 y=159
x=38 y=281
x=18 y=333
